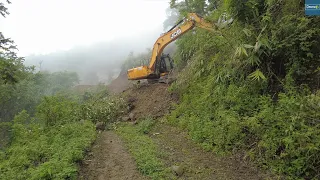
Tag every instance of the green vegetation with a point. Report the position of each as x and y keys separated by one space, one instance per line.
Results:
x=99 y=106
x=255 y=87
x=143 y=149
x=45 y=152
x=45 y=126
x=146 y=125
x=49 y=144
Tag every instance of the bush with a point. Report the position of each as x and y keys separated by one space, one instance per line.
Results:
x=245 y=90
x=102 y=108
x=45 y=153
x=145 y=125
x=284 y=136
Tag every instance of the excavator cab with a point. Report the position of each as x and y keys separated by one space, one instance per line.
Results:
x=163 y=66
x=166 y=64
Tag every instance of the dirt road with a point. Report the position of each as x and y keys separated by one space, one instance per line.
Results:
x=109 y=160
x=198 y=163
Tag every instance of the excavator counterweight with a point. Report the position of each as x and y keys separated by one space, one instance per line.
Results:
x=156 y=68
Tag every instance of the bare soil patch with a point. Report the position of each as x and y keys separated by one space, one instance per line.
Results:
x=152 y=100
x=120 y=84
x=197 y=163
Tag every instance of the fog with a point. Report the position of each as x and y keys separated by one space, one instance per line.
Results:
x=97 y=63
x=90 y=37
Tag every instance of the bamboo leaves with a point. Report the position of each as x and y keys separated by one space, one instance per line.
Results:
x=241 y=51
x=257 y=75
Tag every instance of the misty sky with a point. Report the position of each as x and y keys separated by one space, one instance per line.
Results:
x=44 y=26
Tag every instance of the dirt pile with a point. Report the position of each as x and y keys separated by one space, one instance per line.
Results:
x=120 y=84
x=152 y=100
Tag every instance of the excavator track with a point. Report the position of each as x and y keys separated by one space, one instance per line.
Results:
x=166 y=79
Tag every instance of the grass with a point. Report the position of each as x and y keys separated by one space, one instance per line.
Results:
x=143 y=149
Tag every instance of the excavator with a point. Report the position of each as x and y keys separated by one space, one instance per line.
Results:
x=157 y=67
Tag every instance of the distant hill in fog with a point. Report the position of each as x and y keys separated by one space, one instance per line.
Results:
x=96 y=63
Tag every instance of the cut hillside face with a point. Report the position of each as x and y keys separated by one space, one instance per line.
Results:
x=145 y=99
x=151 y=100
x=120 y=84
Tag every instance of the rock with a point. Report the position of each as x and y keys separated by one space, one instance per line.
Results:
x=130 y=107
x=131 y=100
x=100 y=126
x=131 y=116
x=125 y=118
x=134 y=122
x=178 y=170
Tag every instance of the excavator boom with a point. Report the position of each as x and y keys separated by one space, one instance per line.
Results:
x=153 y=71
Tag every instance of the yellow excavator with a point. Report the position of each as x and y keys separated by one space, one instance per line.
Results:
x=157 y=67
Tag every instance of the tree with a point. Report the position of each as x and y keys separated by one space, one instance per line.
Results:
x=6 y=44
x=11 y=66
x=3 y=9
x=201 y=7
x=172 y=18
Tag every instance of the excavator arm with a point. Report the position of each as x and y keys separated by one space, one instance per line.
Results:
x=152 y=71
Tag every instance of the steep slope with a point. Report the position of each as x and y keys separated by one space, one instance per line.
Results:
x=120 y=84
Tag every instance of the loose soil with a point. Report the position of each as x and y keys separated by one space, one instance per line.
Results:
x=151 y=100
x=120 y=84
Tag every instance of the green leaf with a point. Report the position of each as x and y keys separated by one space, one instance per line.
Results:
x=247 y=32
x=257 y=75
x=254 y=60
x=248 y=46
x=257 y=46
x=240 y=51
x=244 y=51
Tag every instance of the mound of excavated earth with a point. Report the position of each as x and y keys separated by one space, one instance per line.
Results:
x=120 y=84
x=151 y=100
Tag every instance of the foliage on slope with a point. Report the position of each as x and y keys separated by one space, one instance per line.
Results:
x=49 y=144
x=45 y=127
x=254 y=88
x=27 y=93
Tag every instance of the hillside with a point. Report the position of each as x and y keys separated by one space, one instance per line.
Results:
x=244 y=102
x=120 y=83
x=111 y=157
